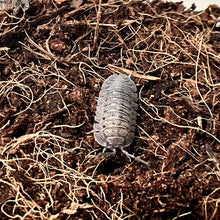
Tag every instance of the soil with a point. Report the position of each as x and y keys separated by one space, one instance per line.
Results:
x=53 y=61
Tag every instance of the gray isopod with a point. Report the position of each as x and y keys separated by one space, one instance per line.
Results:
x=116 y=114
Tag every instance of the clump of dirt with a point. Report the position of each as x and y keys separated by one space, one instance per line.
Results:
x=53 y=60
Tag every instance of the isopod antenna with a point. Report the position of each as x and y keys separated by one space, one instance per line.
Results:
x=134 y=157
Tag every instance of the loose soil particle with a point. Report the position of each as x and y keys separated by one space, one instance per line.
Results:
x=53 y=60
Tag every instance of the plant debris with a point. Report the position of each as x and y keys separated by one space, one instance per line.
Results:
x=54 y=58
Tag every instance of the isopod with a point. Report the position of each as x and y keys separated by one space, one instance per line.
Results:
x=116 y=114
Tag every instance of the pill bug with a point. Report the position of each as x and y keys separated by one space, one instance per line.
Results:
x=116 y=114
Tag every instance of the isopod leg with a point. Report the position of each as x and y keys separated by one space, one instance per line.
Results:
x=103 y=153
x=109 y=153
x=136 y=158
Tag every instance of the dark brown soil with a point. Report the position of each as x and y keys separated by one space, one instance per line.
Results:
x=53 y=61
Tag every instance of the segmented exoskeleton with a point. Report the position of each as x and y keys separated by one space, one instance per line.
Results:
x=116 y=114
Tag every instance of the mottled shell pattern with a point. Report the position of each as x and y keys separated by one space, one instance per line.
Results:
x=116 y=112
